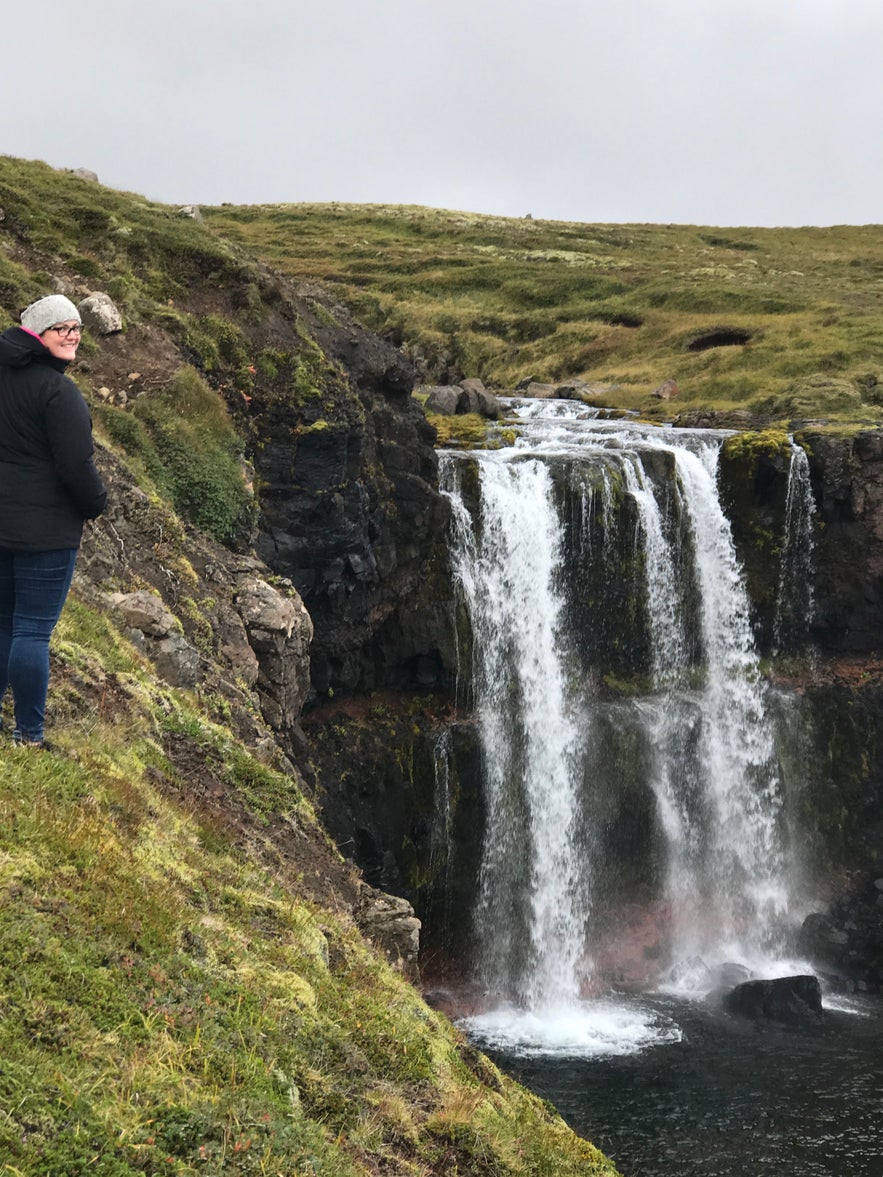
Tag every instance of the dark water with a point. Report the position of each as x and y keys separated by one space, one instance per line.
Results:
x=732 y=1099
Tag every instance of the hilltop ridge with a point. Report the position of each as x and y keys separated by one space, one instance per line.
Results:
x=769 y=321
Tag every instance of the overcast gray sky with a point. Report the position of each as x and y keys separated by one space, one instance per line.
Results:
x=725 y=112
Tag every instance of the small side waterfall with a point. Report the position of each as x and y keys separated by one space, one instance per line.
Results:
x=795 y=601
x=587 y=547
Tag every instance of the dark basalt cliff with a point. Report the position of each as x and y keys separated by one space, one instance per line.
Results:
x=386 y=815
x=847 y=475
x=350 y=511
x=846 y=471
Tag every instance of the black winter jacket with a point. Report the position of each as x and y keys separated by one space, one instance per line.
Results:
x=48 y=481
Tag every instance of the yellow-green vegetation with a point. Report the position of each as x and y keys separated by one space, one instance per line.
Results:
x=748 y=446
x=168 y=1005
x=767 y=319
x=469 y=430
x=144 y=254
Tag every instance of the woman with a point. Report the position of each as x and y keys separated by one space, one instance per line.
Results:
x=48 y=487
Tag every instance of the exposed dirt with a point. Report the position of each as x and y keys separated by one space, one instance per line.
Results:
x=131 y=363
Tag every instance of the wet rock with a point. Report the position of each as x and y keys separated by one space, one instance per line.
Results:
x=783 y=999
x=821 y=940
x=729 y=974
x=692 y=973
x=848 y=940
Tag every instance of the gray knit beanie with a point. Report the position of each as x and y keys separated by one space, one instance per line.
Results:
x=48 y=311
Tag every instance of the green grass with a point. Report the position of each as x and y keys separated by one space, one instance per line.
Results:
x=143 y=253
x=508 y=298
x=170 y=1006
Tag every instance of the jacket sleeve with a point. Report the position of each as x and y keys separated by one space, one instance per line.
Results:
x=69 y=432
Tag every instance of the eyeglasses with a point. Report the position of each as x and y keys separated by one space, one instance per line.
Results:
x=65 y=331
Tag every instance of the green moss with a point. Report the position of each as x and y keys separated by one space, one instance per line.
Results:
x=748 y=447
x=194 y=453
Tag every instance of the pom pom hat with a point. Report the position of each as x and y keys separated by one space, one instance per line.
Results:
x=46 y=312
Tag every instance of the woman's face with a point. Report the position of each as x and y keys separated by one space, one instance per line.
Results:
x=61 y=341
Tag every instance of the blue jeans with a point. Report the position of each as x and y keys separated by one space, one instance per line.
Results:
x=33 y=589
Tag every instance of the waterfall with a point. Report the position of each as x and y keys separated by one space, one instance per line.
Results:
x=585 y=545
x=795 y=602
x=531 y=890
x=733 y=845
x=440 y=845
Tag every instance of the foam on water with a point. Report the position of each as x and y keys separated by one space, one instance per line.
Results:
x=587 y=1029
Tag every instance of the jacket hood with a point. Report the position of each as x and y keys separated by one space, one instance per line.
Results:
x=19 y=348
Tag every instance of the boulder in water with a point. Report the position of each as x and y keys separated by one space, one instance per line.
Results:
x=730 y=974
x=783 y=999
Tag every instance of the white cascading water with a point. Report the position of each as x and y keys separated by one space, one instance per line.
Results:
x=703 y=726
x=795 y=603
x=507 y=573
x=721 y=812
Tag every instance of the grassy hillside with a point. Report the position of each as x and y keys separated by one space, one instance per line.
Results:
x=172 y=1005
x=738 y=317
x=183 y=988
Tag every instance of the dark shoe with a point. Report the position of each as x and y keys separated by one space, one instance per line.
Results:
x=23 y=742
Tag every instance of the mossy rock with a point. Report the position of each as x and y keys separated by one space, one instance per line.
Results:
x=749 y=447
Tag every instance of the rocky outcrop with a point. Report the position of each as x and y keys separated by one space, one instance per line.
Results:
x=389 y=922
x=279 y=632
x=352 y=515
x=847 y=476
x=847 y=941
x=157 y=632
x=209 y=616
